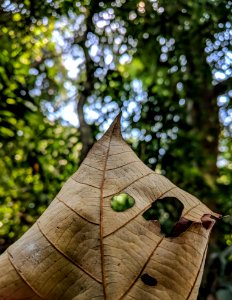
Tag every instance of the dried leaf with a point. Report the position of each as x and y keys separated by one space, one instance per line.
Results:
x=81 y=248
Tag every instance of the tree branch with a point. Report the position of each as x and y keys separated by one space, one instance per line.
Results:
x=222 y=87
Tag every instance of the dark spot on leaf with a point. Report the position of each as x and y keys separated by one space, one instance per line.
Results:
x=168 y=212
x=148 y=280
x=122 y=202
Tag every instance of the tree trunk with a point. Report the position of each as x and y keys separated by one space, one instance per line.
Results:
x=87 y=87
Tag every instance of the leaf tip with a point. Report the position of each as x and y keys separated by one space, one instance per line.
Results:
x=115 y=127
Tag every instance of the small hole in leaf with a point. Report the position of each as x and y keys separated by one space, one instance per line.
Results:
x=148 y=280
x=122 y=202
x=168 y=212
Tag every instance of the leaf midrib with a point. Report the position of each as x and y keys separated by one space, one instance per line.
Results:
x=101 y=216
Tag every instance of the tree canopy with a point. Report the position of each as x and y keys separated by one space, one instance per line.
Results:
x=166 y=66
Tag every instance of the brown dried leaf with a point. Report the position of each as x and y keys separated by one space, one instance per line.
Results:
x=80 y=248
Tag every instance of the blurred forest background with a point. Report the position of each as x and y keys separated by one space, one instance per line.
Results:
x=66 y=69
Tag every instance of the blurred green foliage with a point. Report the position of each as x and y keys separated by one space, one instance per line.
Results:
x=218 y=278
x=167 y=211
x=122 y=202
x=37 y=155
x=33 y=166
x=166 y=66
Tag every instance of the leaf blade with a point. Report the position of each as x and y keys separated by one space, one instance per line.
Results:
x=87 y=250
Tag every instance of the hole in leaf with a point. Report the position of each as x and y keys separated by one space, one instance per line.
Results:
x=148 y=280
x=168 y=212
x=122 y=202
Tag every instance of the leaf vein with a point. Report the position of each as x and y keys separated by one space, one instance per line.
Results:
x=64 y=255
x=21 y=275
x=73 y=210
